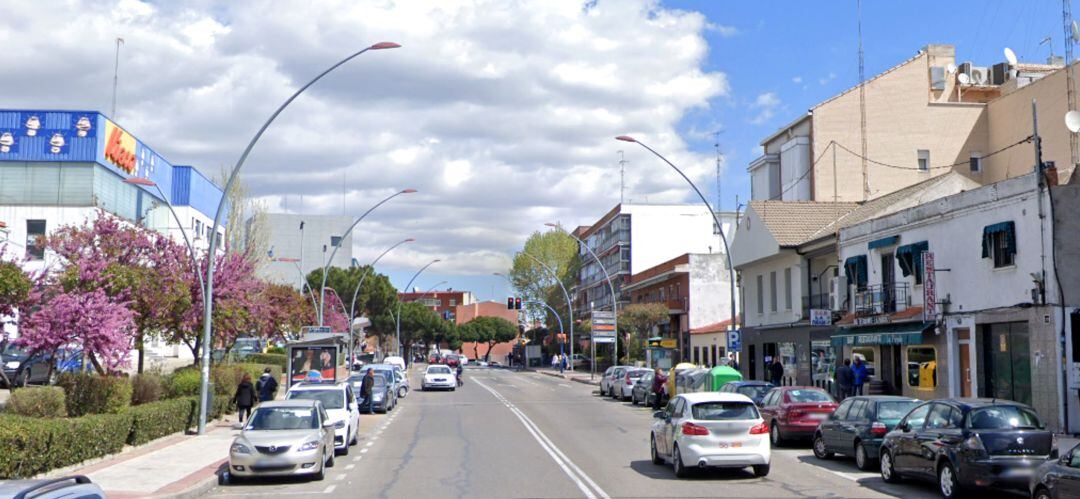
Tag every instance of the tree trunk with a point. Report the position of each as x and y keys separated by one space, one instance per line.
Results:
x=97 y=365
x=139 y=345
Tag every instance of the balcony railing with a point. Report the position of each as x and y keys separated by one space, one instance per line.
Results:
x=883 y=298
x=814 y=301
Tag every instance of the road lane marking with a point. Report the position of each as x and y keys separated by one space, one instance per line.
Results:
x=369 y=444
x=572 y=470
x=339 y=477
x=364 y=451
x=329 y=489
x=350 y=466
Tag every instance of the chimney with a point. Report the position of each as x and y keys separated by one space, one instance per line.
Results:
x=1051 y=172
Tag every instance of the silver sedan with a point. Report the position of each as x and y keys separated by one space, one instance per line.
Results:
x=285 y=437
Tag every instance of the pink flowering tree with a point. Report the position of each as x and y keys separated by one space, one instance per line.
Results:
x=239 y=307
x=91 y=319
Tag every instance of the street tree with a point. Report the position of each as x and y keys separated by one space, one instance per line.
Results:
x=15 y=288
x=491 y=330
x=636 y=322
x=417 y=321
x=91 y=319
x=287 y=310
x=533 y=282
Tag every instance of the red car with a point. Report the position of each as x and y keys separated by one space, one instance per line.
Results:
x=795 y=411
x=453 y=360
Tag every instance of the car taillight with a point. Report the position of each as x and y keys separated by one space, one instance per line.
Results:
x=628 y=381
x=693 y=429
x=760 y=429
x=878 y=429
x=974 y=443
x=795 y=414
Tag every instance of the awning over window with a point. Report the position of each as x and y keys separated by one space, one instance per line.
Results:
x=884 y=242
x=910 y=333
x=1007 y=228
x=855 y=270
x=910 y=257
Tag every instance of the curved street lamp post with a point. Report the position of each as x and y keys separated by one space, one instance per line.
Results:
x=397 y=320
x=719 y=226
x=303 y=282
x=145 y=182
x=611 y=286
x=204 y=384
x=352 y=305
x=569 y=303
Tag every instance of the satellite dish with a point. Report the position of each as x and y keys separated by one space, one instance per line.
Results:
x=951 y=68
x=1072 y=121
x=1075 y=32
x=1010 y=56
x=964 y=79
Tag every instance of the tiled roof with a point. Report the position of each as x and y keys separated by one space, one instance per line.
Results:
x=717 y=327
x=794 y=222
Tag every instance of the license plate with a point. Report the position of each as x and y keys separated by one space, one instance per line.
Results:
x=1018 y=472
x=733 y=445
x=818 y=416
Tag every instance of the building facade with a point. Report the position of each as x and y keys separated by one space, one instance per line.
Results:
x=299 y=244
x=445 y=303
x=467 y=312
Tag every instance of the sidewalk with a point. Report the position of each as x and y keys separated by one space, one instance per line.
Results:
x=572 y=376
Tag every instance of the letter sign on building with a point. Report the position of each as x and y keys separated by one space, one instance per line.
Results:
x=119 y=147
x=929 y=287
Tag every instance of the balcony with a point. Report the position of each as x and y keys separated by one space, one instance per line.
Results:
x=881 y=299
x=814 y=301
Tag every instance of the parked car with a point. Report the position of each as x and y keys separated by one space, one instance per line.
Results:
x=858 y=426
x=284 y=437
x=580 y=361
x=440 y=377
x=396 y=378
x=1058 y=478
x=625 y=386
x=642 y=390
x=395 y=361
x=22 y=369
x=339 y=403
x=794 y=412
x=967 y=443
x=52 y=488
x=611 y=376
x=382 y=392
x=756 y=390
x=710 y=429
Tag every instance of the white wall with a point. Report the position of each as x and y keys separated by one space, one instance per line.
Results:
x=754 y=241
x=795 y=163
x=285 y=240
x=659 y=233
x=748 y=275
x=710 y=290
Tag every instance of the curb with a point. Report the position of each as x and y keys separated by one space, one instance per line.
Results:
x=571 y=378
x=200 y=487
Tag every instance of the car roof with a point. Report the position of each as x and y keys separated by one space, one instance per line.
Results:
x=698 y=397
x=749 y=383
x=325 y=385
x=788 y=388
x=884 y=398
x=974 y=403
x=270 y=404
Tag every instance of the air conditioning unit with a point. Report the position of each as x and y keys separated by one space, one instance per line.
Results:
x=838 y=291
x=979 y=76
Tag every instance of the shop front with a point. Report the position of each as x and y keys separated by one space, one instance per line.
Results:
x=806 y=352
x=904 y=358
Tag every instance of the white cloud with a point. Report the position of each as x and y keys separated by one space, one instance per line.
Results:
x=722 y=30
x=765 y=105
x=826 y=79
x=501 y=114
x=796 y=80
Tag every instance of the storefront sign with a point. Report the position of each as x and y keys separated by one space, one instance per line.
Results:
x=929 y=287
x=669 y=343
x=878 y=339
x=305 y=362
x=119 y=147
x=872 y=320
x=820 y=317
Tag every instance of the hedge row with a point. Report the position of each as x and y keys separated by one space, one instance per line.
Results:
x=30 y=446
x=273 y=359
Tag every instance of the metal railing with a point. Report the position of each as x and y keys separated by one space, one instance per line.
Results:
x=885 y=298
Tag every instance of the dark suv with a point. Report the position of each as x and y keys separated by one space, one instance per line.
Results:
x=967 y=443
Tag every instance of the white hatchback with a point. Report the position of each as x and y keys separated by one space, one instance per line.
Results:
x=337 y=399
x=439 y=376
x=711 y=429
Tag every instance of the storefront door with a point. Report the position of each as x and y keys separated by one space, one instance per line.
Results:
x=1006 y=354
x=963 y=335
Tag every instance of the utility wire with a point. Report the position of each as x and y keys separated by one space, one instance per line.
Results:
x=961 y=163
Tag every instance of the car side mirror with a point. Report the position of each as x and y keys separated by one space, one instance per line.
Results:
x=329 y=425
x=238 y=426
x=659 y=415
x=904 y=427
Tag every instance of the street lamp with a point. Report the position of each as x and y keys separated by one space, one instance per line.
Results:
x=326 y=267
x=719 y=226
x=440 y=283
x=352 y=305
x=557 y=317
x=303 y=282
x=611 y=286
x=397 y=320
x=569 y=303
x=145 y=182
x=204 y=383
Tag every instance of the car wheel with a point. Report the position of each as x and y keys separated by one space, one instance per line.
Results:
x=321 y=474
x=656 y=459
x=774 y=435
x=677 y=464
x=947 y=482
x=820 y=450
x=1042 y=493
x=761 y=470
x=633 y=399
x=862 y=461
x=888 y=473
x=330 y=462
x=344 y=451
x=402 y=392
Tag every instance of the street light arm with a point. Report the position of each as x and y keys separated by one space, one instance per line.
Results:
x=187 y=241
x=397 y=319
x=569 y=302
x=208 y=303
x=371 y=266
x=557 y=316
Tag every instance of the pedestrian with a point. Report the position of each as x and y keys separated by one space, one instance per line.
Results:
x=564 y=363
x=845 y=379
x=367 y=386
x=776 y=372
x=733 y=363
x=659 y=382
x=266 y=386
x=860 y=373
x=245 y=397
x=554 y=361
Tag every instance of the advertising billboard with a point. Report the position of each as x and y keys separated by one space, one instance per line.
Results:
x=304 y=361
x=31 y=135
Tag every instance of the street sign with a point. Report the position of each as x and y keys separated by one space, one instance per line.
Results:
x=603 y=324
x=316 y=330
x=599 y=340
x=820 y=317
x=734 y=340
x=669 y=343
x=602 y=314
x=929 y=288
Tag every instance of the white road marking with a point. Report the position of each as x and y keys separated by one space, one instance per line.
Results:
x=350 y=466
x=357 y=458
x=339 y=477
x=576 y=474
x=329 y=489
x=369 y=444
x=363 y=451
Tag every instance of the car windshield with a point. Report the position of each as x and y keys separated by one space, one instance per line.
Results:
x=1004 y=417
x=752 y=391
x=380 y=380
x=894 y=411
x=798 y=396
x=283 y=418
x=722 y=411
x=331 y=399
x=636 y=374
x=438 y=370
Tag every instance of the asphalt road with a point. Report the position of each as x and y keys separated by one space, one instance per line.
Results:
x=507 y=434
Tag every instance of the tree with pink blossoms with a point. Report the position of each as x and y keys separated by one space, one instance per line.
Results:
x=238 y=304
x=91 y=319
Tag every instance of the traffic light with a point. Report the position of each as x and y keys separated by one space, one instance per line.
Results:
x=517 y=303
x=509 y=302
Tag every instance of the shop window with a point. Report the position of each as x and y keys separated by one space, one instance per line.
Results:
x=999 y=243
x=35 y=235
x=760 y=295
x=910 y=259
x=922 y=367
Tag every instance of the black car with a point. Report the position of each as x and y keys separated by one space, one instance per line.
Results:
x=1058 y=478
x=967 y=443
x=21 y=369
x=756 y=390
x=858 y=427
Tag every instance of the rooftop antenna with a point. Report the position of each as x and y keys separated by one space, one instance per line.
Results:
x=862 y=108
x=116 y=75
x=1072 y=35
x=1050 y=42
x=622 y=177
x=719 y=157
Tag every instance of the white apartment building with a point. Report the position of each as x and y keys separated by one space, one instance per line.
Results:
x=299 y=244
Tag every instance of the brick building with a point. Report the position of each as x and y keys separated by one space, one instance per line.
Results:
x=466 y=313
x=445 y=303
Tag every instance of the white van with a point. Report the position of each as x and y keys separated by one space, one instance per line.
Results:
x=395 y=361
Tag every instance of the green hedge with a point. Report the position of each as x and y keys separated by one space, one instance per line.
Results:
x=158 y=419
x=183 y=383
x=146 y=388
x=273 y=359
x=94 y=394
x=38 y=402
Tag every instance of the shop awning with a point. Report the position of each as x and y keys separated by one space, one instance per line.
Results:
x=910 y=257
x=855 y=270
x=1007 y=228
x=884 y=242
x=910 y=333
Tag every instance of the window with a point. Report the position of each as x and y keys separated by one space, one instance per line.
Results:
x=453 y=302
x=840 y=413
x=772 y=291
x=218 y=240
x=335 y=241
x=943 y=417
x=697 y=355
x=35 y=244
x=917 y=417
x=1003 y=417
x=910 y=259
x=975 y=162
x=999 y=243
x=922 y=367
x=760 y=295
x=722 y=411
x=924 y=160
x=858 y=411
x=787 y=288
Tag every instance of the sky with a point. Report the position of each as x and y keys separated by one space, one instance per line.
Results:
x=500 y=113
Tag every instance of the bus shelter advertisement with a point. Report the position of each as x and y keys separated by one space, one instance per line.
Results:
x=312 y=362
